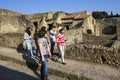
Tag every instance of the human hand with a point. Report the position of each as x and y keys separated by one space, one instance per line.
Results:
x=66 y=40
x=43 y=59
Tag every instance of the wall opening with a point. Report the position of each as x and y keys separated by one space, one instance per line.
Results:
x=110 y=30
x=50 y=26
x=35 y=24
x=89 y=31
x=67 y=27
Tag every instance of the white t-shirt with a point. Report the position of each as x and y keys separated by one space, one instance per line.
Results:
x=52 y=36
x=26 y=36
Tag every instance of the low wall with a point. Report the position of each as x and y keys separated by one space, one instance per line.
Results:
x=93 y=53
x=11 y=40
x=104 y=40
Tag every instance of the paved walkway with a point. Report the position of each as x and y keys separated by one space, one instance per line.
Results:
x=73 y=70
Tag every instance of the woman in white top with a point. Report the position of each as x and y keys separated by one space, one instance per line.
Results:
x=28 y=41
x=53 y=39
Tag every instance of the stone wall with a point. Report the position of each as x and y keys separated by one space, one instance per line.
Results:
x=14 y=39
x=13 y=24
x=93 y=53
x=98 y=28
x=9 y=24
x=11 y=40
x=104 y=40
x=73 y=36
x=89 y=24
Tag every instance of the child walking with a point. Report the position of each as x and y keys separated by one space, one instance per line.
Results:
x=61 y=44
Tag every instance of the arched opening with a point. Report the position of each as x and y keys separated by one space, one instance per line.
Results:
x=67 y=27
x=35 y=24
x=110 y=30
x=89 y=31
x=50 y=27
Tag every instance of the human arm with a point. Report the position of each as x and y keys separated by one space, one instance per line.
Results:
x=41 y=52
x=52 y=32
x=49 y=50
x=60 y=38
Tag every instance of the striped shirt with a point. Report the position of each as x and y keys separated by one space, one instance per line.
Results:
x=60 y=39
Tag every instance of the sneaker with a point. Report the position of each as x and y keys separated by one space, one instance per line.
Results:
x=56 y=60
x=64 y=63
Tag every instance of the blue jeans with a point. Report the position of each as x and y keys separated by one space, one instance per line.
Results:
x=37 y=49
x=44 y=67
x=29 y=48
x=52 y=47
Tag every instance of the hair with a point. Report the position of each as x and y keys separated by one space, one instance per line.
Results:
x=28 y=30
x=43 y=28
x=61 y=30
x=42 y=33
x=53 y=26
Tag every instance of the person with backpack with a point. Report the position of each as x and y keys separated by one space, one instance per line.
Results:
x=28 y=41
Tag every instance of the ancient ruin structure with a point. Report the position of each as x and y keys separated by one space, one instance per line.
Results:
x=92 y=36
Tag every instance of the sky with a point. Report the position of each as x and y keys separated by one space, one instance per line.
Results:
x=70 y=6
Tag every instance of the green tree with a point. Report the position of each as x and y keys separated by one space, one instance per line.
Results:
x=99 y=15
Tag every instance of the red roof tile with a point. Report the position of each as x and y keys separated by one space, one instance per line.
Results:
x=76 y=16
x=81 y=16
x=70 y=16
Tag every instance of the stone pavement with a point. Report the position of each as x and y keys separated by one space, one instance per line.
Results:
x=73 y=70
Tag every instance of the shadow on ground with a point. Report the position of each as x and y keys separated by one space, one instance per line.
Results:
x=8 y=74
x=30 y=62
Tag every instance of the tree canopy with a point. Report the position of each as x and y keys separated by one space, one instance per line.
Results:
x=99 y=15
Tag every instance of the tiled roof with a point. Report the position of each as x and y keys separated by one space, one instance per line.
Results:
x=70 y=16
x=81 y=16
x=76 y=16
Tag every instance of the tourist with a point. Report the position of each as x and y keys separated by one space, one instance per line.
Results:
x=44 y=51
x=45 y=29
x=28 y=41
x=61 y=44
x=36 y=42
x=52 y=39
x=37 y=47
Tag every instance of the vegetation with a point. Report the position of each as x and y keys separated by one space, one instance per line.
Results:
x=103 y=14
x=99 y=15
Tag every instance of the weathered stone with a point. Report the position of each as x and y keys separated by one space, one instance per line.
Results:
x=97 y=55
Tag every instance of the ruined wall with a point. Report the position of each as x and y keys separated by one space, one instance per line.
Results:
x=11 y=40
x=13 y=24
x=93 y=53
x=9 y=24
x=118 y=28
x=89 y=24
x=98 y=28
x=104 y=40
x=73 y=36
x=14 y=39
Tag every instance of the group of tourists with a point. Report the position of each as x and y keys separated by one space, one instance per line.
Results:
x=45 y=46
